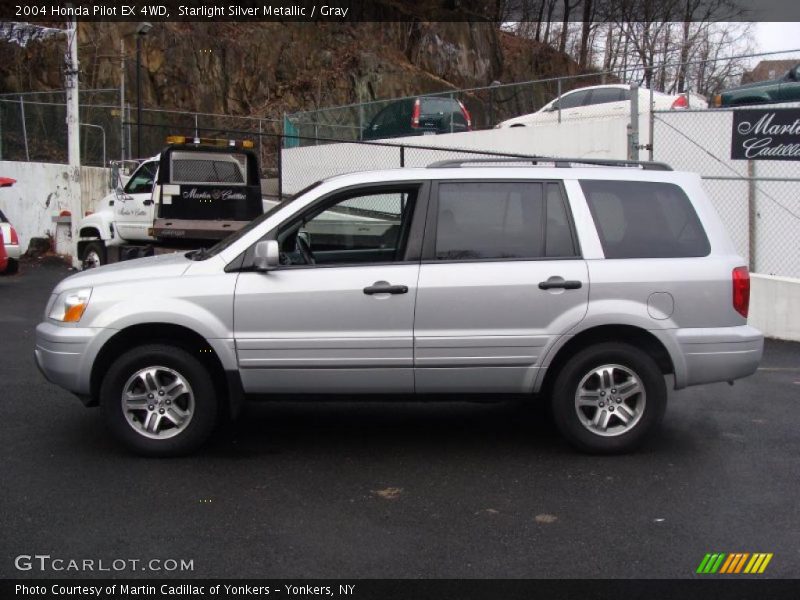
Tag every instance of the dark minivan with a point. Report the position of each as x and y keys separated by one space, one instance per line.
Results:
x=419 y=116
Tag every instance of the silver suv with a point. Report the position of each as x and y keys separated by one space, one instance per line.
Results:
x=592 y=284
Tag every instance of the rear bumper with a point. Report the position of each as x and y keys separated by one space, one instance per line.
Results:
x=13 y=251
x=717 y=354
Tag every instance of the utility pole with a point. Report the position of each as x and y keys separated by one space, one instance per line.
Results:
x=73 y=139
x=121 y=99
x=138 y=95
x=141 y=30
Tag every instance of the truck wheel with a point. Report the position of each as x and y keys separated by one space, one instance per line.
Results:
x=608 y=398
x=94 y=255
x=159 y=400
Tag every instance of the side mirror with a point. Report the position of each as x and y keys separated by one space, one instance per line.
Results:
x=267 y=255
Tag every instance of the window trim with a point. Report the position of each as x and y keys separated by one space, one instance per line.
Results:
x=429 y=240
x=413 y=239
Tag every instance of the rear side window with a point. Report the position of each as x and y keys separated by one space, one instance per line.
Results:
x=497 y=220
x=604 y=95
x=644 y=219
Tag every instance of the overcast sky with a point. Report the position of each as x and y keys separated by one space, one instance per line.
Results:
x=778 y=36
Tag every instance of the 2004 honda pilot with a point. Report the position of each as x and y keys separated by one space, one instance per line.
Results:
x=591 y=285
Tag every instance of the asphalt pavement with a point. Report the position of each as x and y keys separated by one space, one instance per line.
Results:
x=368 y=489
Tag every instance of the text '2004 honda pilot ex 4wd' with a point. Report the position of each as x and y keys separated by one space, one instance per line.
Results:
x=592 y=284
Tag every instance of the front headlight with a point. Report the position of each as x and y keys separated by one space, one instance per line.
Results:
x=69 y=306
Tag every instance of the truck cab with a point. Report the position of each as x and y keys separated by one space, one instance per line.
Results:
x=195 y=192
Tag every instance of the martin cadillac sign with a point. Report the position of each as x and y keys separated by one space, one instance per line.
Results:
x=766 y=134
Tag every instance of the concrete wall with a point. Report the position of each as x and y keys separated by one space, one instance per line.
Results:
x=775 y=306
x=41 y=193
x=586 y=138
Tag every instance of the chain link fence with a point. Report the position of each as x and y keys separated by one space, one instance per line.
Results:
x=33 y=127
x=757 y=200
x=486 y=107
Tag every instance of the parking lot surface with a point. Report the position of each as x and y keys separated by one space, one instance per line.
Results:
x=367 y=489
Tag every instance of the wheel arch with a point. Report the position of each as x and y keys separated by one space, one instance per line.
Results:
x=227 y=388
x=630 y=334
x=94 y=228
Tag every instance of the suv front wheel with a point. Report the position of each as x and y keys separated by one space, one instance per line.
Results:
x=159 y=400
x=608 y=398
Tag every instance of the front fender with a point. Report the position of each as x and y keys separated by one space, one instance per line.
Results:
x=101 y=222
x=204 y=309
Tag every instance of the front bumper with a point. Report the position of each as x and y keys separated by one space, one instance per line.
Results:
x=719 y=354
x=65 y=354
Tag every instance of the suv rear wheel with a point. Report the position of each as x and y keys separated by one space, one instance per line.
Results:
x=159 y=400
x=608 y=398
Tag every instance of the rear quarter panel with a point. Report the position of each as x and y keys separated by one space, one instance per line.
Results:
x=700 y=287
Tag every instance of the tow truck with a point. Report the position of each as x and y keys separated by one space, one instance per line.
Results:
x=194 y=193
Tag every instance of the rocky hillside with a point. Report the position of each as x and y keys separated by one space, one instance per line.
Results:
x=267 y=69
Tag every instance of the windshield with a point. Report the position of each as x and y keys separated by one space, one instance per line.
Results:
x=225 y=243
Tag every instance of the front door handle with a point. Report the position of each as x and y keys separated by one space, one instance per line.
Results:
x=558 y=283
x=384 y=287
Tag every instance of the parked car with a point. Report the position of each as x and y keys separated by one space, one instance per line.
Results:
x=425 y=115
x=11 y=250
x=783 y=89
x=602 y=100
x=3 y=255
x=591 y=283
x=11 y=245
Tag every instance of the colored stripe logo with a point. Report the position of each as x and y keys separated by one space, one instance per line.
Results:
x=734 y=563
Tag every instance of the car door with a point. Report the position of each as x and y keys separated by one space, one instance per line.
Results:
x=133 y=208
x=572 y=104
x=337 y=316
x=501 y=276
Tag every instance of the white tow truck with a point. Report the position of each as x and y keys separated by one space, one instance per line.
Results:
x=192 y=194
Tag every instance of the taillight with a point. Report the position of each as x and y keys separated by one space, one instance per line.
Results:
x=680 y=102
x=717 y=100
x=466 y=114
x=14 y=238
x=741 y=290
x=415 y=114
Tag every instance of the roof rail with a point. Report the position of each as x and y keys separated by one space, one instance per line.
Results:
x=557 y=161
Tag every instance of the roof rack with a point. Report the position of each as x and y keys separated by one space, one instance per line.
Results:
x=557 y=161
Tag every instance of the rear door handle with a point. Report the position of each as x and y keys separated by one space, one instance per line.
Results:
x=553 y=283
x=383 y=287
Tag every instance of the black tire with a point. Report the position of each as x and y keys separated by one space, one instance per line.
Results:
x=586 y=436
x=12 y=268
x=205 y=403
x=92 y=249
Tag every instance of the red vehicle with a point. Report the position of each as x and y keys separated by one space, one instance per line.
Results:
x=3 y=255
